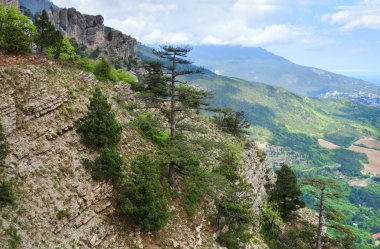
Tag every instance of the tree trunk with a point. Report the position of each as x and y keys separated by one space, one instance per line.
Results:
x=219 y=219
x=171 y=175
x=318 y=242
x=173 y=116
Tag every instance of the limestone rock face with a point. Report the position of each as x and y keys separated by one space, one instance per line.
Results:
x=14 y=3
x=90 y=31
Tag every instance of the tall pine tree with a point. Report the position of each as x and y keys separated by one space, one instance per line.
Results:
x=286 y=193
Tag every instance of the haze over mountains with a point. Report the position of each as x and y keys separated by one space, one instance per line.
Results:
x=257 y=64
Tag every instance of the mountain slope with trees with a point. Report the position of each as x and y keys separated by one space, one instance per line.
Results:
x=257 y=64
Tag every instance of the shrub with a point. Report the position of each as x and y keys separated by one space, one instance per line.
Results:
x=63 y=214
x=16 y=31
x=15 y=238
x=151 y=128
x=6 y=193
x=4 y=146
x=107 y=166
x=100 y=127
x=122 y=75
x=103 y=69
x=86 y=64
x=146 y=196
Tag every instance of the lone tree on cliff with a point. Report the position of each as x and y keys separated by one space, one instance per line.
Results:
x=182 y=97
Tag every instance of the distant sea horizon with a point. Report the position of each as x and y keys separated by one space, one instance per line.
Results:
x=369 y=78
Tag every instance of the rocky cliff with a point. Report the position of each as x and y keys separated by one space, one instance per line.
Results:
x=14 y=3
x=90 y=31
x=58 y=204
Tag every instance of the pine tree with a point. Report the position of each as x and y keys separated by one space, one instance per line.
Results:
x=48 y=36
x=100 y=127
x=108 y=165
x=155 y=80
x=175 y=56
x=229 y=120
x=323 y=190
x=286 y=193
x=181 y=98
x=146 y=196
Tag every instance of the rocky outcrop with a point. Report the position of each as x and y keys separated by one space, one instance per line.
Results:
x=258 y=172
x=14 y=3
x=58 y=203
x=90 y=31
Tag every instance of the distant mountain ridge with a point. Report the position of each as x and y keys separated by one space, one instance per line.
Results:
x=36 y=6
x=257 y=64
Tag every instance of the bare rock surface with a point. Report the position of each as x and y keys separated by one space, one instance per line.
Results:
x=90 y=31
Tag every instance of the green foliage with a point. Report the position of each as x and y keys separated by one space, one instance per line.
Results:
x=229 y=166
x=306 y=145
x=233 y=122
x=4 y=146
x=103 y=69
x=107 y=166
x=234 y=205
x=15 y=239
x=327 y=191
x=124 y=76
x=100 y=127
x=192 y=97
x=368 y=196
x=286 y=193
x=235 y=237
x=79 y=49
x=151 y=127
x=86 y=64
x=63 y=51
x=146 y=195
x=194 y=192
x=239 y=218
x=63 y=214
x=297 y=236
x=350 y=161
x=6 y=193
x=155 y=80
x=16 y=31
x=270 y=219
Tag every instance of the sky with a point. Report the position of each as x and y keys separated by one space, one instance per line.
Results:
x=335 y=35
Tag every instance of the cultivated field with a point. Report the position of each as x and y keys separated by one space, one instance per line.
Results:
x=373 y=167
x=327 y=144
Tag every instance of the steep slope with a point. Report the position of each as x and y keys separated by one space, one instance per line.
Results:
x=257 y=64
x=58 y=204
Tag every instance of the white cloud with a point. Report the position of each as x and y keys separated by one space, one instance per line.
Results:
x=364 y=15
x=220 y=22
